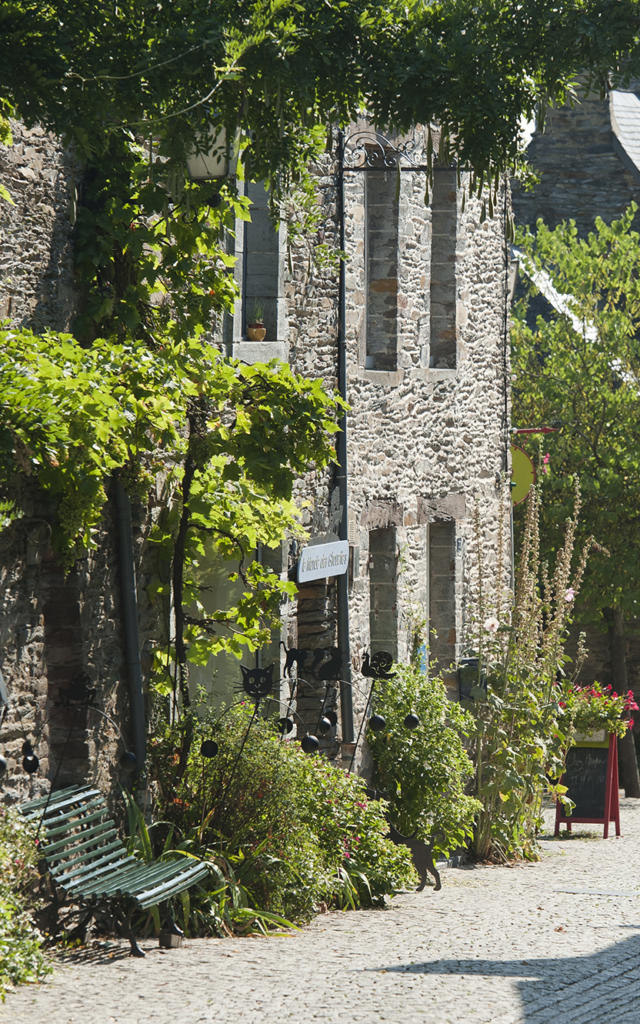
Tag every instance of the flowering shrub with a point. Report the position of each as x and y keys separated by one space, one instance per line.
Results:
x=596 y=707
x=21 y=957
x=299 y=831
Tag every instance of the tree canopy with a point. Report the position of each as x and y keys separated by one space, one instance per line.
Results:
x=282 y=69
x=579 y=366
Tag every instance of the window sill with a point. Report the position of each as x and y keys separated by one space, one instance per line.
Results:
x=385 y=378
x=432 y=375
x=260 y=351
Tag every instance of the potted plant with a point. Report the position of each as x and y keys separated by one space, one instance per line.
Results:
x=597 y=711
x=256 y=329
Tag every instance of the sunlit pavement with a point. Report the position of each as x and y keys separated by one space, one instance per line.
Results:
x=557 y=941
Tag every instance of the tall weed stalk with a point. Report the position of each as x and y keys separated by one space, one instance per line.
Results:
x=522 y=732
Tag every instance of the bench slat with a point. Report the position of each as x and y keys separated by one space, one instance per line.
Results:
x=153 y=896
x=94 y=809
x=176 y=872
x=88 y=845
x=51 y=800
x=71 y=873
x=139 y=876
x=54 y=807
x=59 y=871
x=92 y=833
x=90 y=872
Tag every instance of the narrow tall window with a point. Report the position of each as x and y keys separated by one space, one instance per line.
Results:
x=261 y=272
x=381 y=248
x=444 y=222
x=442 y=593
x=383 y=592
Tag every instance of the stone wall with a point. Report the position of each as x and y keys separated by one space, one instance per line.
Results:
x=61 y=643
x=425 y=444
x=582 y=175
x=61 y=656
x=36 y=251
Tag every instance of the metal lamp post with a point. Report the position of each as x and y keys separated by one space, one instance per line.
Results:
x=361 y=150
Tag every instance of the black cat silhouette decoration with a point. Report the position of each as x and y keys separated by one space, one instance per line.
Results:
x=294 y=656
x=378 y=666
x=257 y=682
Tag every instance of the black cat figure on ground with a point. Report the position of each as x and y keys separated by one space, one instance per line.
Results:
x=422 y=855
x=421 y=851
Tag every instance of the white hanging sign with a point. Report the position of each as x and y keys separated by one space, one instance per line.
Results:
x=322 y=560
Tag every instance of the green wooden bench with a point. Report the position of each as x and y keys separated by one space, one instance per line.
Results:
x=90 y=867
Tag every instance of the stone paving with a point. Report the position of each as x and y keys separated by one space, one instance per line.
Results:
x=557 y=941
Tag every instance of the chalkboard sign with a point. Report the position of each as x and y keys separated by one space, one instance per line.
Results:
x=586 y=779
x=591 y=778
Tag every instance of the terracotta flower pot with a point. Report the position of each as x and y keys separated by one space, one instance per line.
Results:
x=256 y=332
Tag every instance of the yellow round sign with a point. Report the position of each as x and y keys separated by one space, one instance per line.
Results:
x=523 y=474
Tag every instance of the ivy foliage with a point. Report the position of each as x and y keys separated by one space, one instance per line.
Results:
x=149 y=247
x=228 y=439
x=578 y=367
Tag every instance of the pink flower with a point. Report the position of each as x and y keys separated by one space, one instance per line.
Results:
x=545 y=463
x=491 y=624
x=569 y=595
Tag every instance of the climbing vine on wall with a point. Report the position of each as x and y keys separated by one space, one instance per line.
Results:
x=227 y=440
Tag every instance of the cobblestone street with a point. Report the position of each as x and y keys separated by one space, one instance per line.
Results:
x=535 y=944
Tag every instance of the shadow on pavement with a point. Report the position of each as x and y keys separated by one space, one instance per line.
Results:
x=100 y=953
x=591 y=989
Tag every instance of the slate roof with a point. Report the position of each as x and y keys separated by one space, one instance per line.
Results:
x=624 y=110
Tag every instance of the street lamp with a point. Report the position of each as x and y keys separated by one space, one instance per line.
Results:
x=213 y=156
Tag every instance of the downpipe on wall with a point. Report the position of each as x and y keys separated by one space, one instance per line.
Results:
x=129 y=605
x=346 y=698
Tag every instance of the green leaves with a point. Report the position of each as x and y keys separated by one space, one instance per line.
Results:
x=73 y=416
x=283 y=72
x=21 y=957
x=579 y=366
x=424 y=772
x=297 y=831
x=521 y=731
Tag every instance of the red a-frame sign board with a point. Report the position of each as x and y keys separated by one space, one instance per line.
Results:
x=591 y=777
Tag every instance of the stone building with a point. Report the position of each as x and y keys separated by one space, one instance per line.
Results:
x=587 y=159
x=411 y=326
x=63 y=643
x=414 y=334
